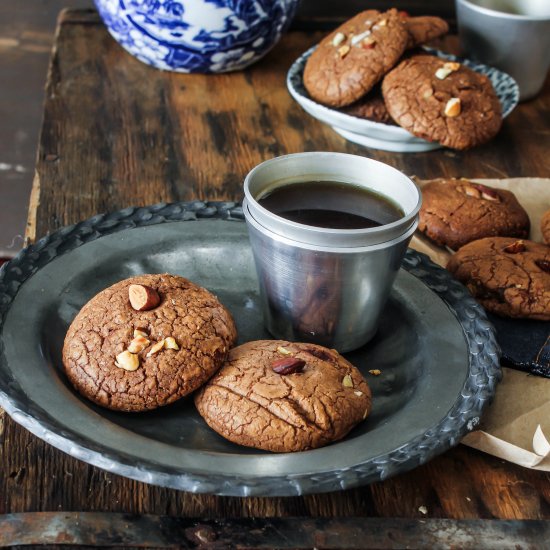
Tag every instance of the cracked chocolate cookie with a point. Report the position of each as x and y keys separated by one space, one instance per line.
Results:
x=282 y=397
x=353 y=58
x=545 y=226
x=424 y=28
x=509 y=277
x=147 y=341
x=371 y=107
x=457 y=211
x=442 y=101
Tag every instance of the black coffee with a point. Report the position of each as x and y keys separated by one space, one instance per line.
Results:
x=331 y=204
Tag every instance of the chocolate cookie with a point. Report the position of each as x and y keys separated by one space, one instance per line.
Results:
x=545 y=226
x=424 y=28
x=457 y=211
x=442 y=101
x=507 y=276
x=353 y=58
x=282 y=397
x=146 y=341
x=371 y=107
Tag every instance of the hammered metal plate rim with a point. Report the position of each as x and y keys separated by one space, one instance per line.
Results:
x=478 y=390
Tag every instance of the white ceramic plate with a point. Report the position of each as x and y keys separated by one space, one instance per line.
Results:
x=386 y=136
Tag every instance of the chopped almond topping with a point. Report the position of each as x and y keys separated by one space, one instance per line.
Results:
x=338 y=38
x=347 y=381
x=442 y=73
x=170 y=343
x=156 y=348
x=138 y=344
x=453 y=107
x=356 y=39
x=452 y=65
x=428 y=92
x=127 y=361
x=368 y=43
x=343 y=51
x=515 y=247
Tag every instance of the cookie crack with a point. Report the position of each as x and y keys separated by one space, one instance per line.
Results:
x=508 y=285
x=298 y=409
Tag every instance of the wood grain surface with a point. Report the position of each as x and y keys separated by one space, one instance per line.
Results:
x=117 y=133
x=146 y=531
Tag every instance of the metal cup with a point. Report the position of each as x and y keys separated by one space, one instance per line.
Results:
x=512 y=35
x=327 y=286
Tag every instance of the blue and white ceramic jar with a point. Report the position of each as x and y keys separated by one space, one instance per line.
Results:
x=202 y=36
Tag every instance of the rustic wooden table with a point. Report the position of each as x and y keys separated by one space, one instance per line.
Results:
x=119 y=133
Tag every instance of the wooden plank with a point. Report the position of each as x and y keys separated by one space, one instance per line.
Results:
x=144 y=531
x=34 y=203
x=327 y=13
x=116 y=133
x=26 y=34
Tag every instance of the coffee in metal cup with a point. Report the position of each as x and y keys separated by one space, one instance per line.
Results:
x=328 y=233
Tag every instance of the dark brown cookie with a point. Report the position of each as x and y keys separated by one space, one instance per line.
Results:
x=442 y=101
x=425 y=28
x=507 y=276
x=545 y=226
x=353 y=58
x=371 y=107
x=131 y=360
x=457 y=211
x=282 y=397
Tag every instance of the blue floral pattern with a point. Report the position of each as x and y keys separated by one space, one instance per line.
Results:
x=197 y=35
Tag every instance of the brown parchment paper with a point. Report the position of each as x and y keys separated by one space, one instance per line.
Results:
x=516 y=426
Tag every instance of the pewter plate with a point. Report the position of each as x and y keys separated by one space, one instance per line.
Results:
x=389 y=137
x=435 y=349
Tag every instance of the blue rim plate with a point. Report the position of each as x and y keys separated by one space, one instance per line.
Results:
x=386 y=136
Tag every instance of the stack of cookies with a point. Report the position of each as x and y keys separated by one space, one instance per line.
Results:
x=150 y=340
x=488 y=228
x=368 y=68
